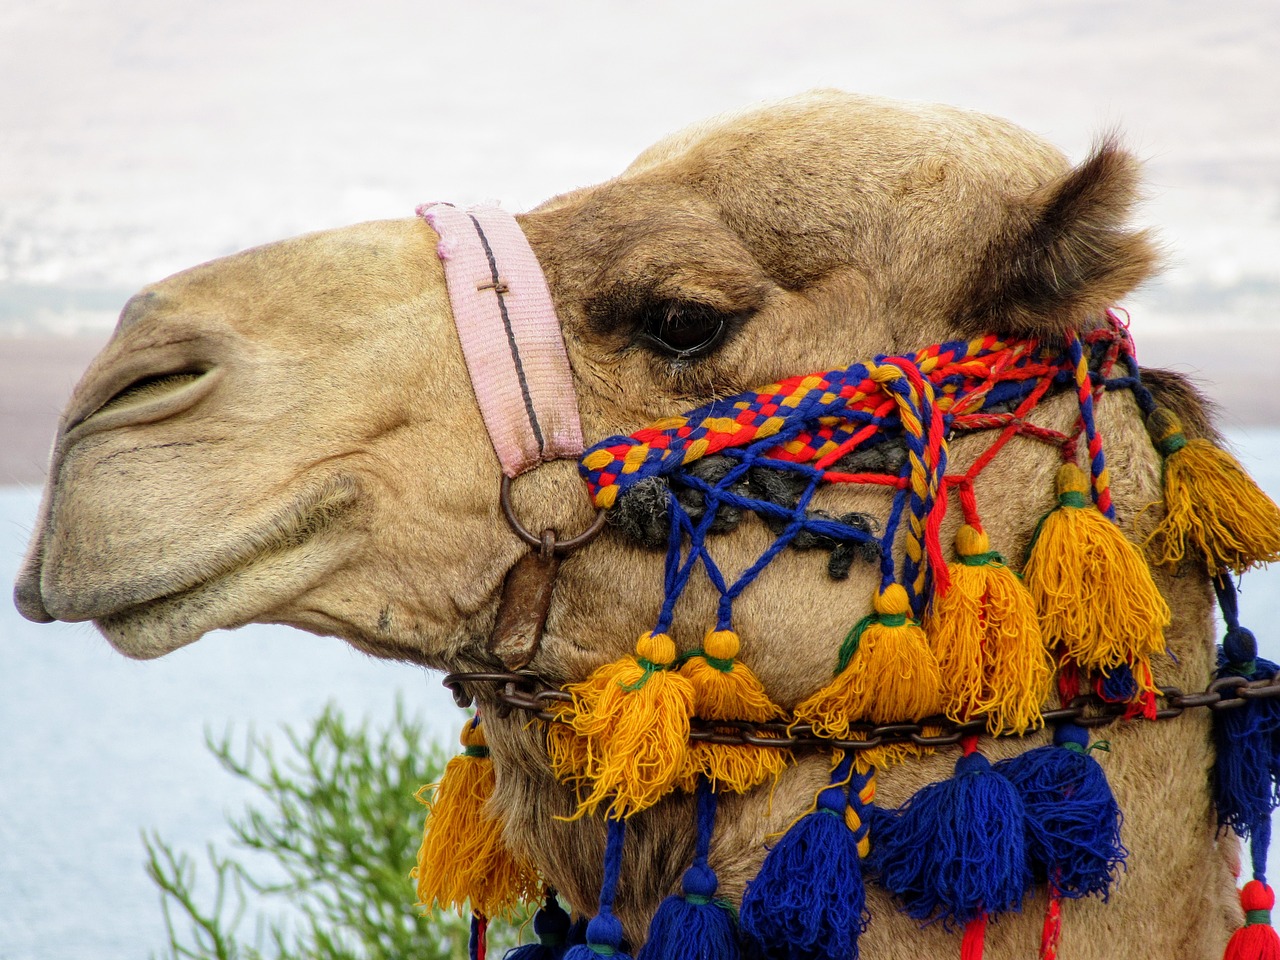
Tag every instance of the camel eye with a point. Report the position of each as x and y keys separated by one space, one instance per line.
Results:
x=682 y=330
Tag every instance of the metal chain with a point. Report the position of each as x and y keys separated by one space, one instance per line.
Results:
x=524 y=690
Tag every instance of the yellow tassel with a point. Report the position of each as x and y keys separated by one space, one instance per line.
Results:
x=463 y=858
x=634 y=714
x=724 y=688
x=1211 y=501
x=1091 y=586
x=887 y=673
x=568 y=752
x=883 y=757
x=987 y=639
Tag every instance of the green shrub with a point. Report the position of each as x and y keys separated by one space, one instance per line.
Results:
x=325 y=852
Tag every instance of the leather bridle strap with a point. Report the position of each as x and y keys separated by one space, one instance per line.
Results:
x=520 y=375
x=510 y=336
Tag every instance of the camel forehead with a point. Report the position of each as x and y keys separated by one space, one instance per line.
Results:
x=878 y=129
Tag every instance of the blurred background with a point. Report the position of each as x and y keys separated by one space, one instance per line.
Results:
x=141 y=137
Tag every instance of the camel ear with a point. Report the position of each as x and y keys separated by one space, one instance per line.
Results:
x=1065 y=255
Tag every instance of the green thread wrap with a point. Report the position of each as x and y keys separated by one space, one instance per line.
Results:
x=854 y=636
x=650 y=668
x=1171 y=444
x=990 y=558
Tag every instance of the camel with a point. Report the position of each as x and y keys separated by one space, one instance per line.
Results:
x=288 y=435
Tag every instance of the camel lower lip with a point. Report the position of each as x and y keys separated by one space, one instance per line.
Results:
x=300 y=549
x=312 y=512
x=153 y=628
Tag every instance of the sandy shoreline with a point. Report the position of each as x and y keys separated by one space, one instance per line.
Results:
x=37 y=375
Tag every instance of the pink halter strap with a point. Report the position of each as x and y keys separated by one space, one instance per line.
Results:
x=510 y=336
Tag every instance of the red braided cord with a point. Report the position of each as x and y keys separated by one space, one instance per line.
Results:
x=1051 y=933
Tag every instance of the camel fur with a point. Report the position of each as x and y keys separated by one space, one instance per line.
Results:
x=288 y=435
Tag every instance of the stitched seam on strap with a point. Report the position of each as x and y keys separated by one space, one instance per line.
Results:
x=511 y=338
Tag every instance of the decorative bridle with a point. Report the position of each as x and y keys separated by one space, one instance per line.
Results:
x=953 y=649
x=519 y=370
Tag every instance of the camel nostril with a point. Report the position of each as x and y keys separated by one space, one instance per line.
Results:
x=150 y=397
x=147 y=389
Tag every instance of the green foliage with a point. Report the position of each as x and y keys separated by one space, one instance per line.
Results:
x=327 y=847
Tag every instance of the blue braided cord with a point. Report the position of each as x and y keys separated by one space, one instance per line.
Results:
x=1097 y=462
x=473 y=939
x=612 y=861
x=1259 y=844
x=779 y=544
x=678 y=519
x=1228 y=602
x=921 y=504
x=917 y=504
x=706 y=820
x=856 y=784
x=835 y=797
x=678 y=573
x=887 y=573
x=825 y=526
x=604 y=933
x=1146 y=402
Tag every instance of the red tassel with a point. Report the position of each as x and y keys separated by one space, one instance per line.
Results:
x=1256 y=940
x=975 y=937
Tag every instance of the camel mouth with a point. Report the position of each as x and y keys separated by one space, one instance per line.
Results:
x=289 y=554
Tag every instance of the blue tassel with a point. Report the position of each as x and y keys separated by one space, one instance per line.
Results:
x=604 y=932
x=956 y=851
x=808 y=901
x=695 y=926
x=551 y=926
x=1073 y=820
x=1246 y=782
x=1119 y=686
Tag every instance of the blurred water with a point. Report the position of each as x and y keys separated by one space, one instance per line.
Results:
x=95 y=748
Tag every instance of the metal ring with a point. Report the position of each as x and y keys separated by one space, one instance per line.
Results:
x=561 y=547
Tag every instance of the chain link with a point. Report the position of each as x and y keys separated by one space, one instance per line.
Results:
x=526 y=691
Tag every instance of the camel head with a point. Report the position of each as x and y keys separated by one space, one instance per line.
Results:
x=289 y=435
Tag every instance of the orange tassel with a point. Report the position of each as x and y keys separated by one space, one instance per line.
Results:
x=1210 y=501
x=886 y=674
x=724 y=688
x=1093 y=590
x=463 y=858
x=987 y=638
x=634 y=715
x=569 y=753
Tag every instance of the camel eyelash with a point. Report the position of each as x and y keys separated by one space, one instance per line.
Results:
x=682 y=330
